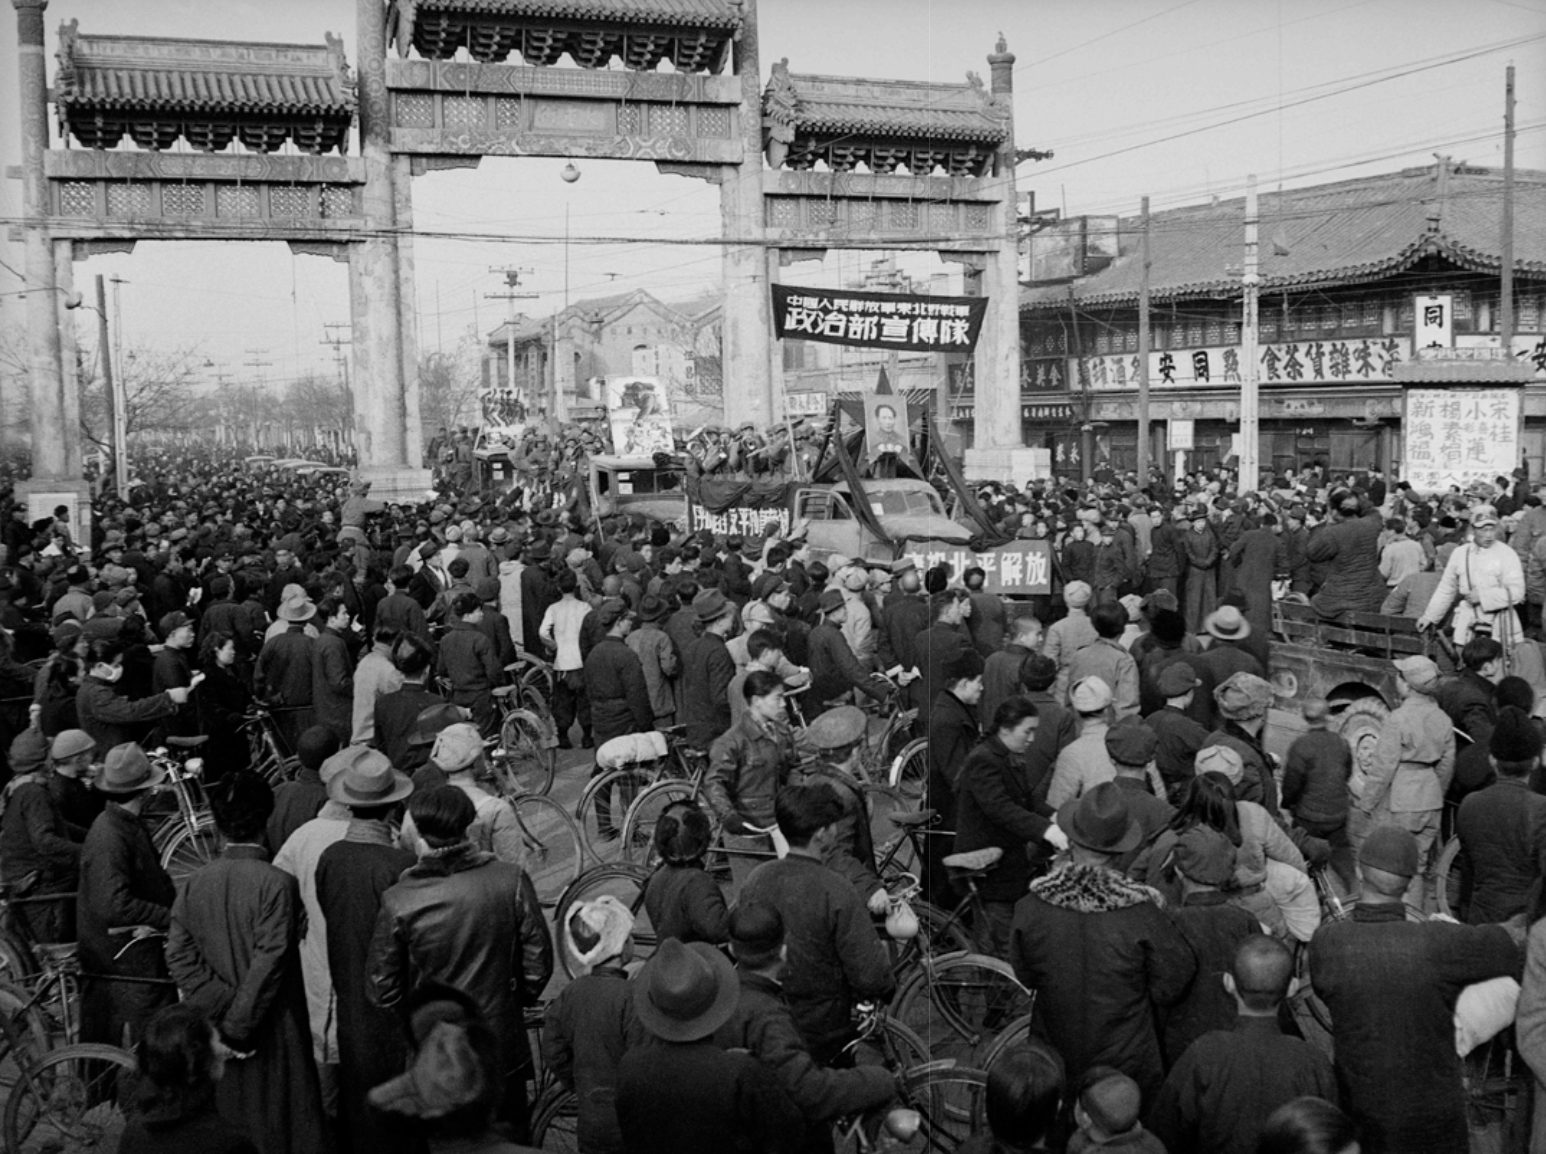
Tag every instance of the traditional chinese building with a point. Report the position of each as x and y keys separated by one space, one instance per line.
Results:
x=1341 y=264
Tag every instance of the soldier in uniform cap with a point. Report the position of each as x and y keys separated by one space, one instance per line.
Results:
x=838 y=738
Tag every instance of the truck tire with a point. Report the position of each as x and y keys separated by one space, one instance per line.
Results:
x=1360 y=723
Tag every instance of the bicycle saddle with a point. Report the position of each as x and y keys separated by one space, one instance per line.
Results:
x=913 y=820
x=672 y=730
x=974 y=864
x=187 y=742
x=56 y=953
x=505 y=690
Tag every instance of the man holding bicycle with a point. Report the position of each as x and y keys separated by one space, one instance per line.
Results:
x=748 y=765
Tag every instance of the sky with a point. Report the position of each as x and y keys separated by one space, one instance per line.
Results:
x=1176 y=99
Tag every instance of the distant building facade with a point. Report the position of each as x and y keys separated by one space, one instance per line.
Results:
x=1341 y=267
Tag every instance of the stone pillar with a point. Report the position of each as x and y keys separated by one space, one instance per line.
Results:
x=748 y=310
x=64 y=280
x=56 y=471
x=997 y=445
x=386 y=435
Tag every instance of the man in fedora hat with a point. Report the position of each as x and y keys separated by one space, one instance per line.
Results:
x=1225 y=656
x=125 y=904
x=657 y=657
x=1098 y=949
x=283 y=677
x=681 y=1091
x=708 y=669
x=351 y=875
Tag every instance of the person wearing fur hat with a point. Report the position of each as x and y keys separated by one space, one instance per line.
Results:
x=1502 y=828
x=1410 y=771
x=1098 y=949
x=590 y=1025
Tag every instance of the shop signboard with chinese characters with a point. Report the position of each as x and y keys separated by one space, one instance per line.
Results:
x=805 y=404
x=1434 y=317
x=1018 y=569
x=1348 y=361
x=878 y=320
x=1458 y=436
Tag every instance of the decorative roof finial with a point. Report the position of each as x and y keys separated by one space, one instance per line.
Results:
x=1002 y=46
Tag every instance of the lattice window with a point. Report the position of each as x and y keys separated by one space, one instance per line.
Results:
x=1102 y=343
x=1214 y=333
x=861 y=214
x=415 y=110
x=182 y=199
x=1129 y=340
x=128 y=199
x=236 y=200
x=821 y=213
x=1371 y=316
x=289 y=202
x=464 y=112
x=786 y=213
x=978 y=217
x=903 y=215
x=714 y=122
x=77 y=198
x=507 y=112
x=337 y=200
x=630 y=120
x=668 y=120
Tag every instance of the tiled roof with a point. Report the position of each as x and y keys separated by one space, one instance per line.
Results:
x=679 y=13
x=821 y=105
x=205 y=76
x=1352 y=231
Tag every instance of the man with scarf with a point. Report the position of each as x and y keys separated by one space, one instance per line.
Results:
x=1484 y=580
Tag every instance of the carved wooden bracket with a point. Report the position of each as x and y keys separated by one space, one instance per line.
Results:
x=82 y=249
x=419 y=165
x=334 y=250
x=713 y=173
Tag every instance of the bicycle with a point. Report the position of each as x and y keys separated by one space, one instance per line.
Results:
x=267 y=752
x=187 y=839
x=553 y=855
x=528 y=737
x=942 y=1101
x=620 y=790
x=969 y=1004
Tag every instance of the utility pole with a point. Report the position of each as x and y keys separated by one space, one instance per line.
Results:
x=1506 y=248
x=511 y=294
x=260 y=364
x=1143 y=355
x=1250 y=437
x=115 y=414
x=341 y=362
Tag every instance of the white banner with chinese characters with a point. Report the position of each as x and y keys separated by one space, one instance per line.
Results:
x=1458 y=436
x=1340 y=362
x=1020 y=568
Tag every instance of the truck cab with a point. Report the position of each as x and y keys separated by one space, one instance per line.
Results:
x=905 y=507
x=637 y=485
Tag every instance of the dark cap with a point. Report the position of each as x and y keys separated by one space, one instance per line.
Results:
x=1205 y=855
x=1131 y=742
x=432 y=719
x=174 y=621
x=611 y=611
x=1176 y=679
x=1390 y=848
x=1515 y=738
x=830 y=599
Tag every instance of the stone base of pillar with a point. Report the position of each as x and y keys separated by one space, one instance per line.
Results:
x=40 y=496
x=397 y=484
x=1002 y=465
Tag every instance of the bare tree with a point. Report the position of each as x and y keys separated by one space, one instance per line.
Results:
x=448 y=386
x=321 y=402
x=158 y=394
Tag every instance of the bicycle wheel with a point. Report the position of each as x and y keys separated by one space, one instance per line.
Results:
x=526 y=757
x=186 y=850
x=910 y=772
x=949 y=1100
x=16 y=961
x=555 y=1121
x=960 y=1003
x=72 y=1100
x=638 y=835
x=1447 y=879
x=23 y=1034
x=603 y=806
x=890 y=1044
x=553 y=855
x=623 y=881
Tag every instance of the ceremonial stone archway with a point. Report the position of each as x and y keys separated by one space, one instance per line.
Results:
x=431 y=108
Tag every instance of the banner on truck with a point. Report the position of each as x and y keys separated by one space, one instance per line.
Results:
x=1020 y=568
x=738 y=521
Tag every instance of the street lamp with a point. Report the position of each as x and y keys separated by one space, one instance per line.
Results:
x=117 y=403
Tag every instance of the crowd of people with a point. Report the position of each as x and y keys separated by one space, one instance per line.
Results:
x=356 y=968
